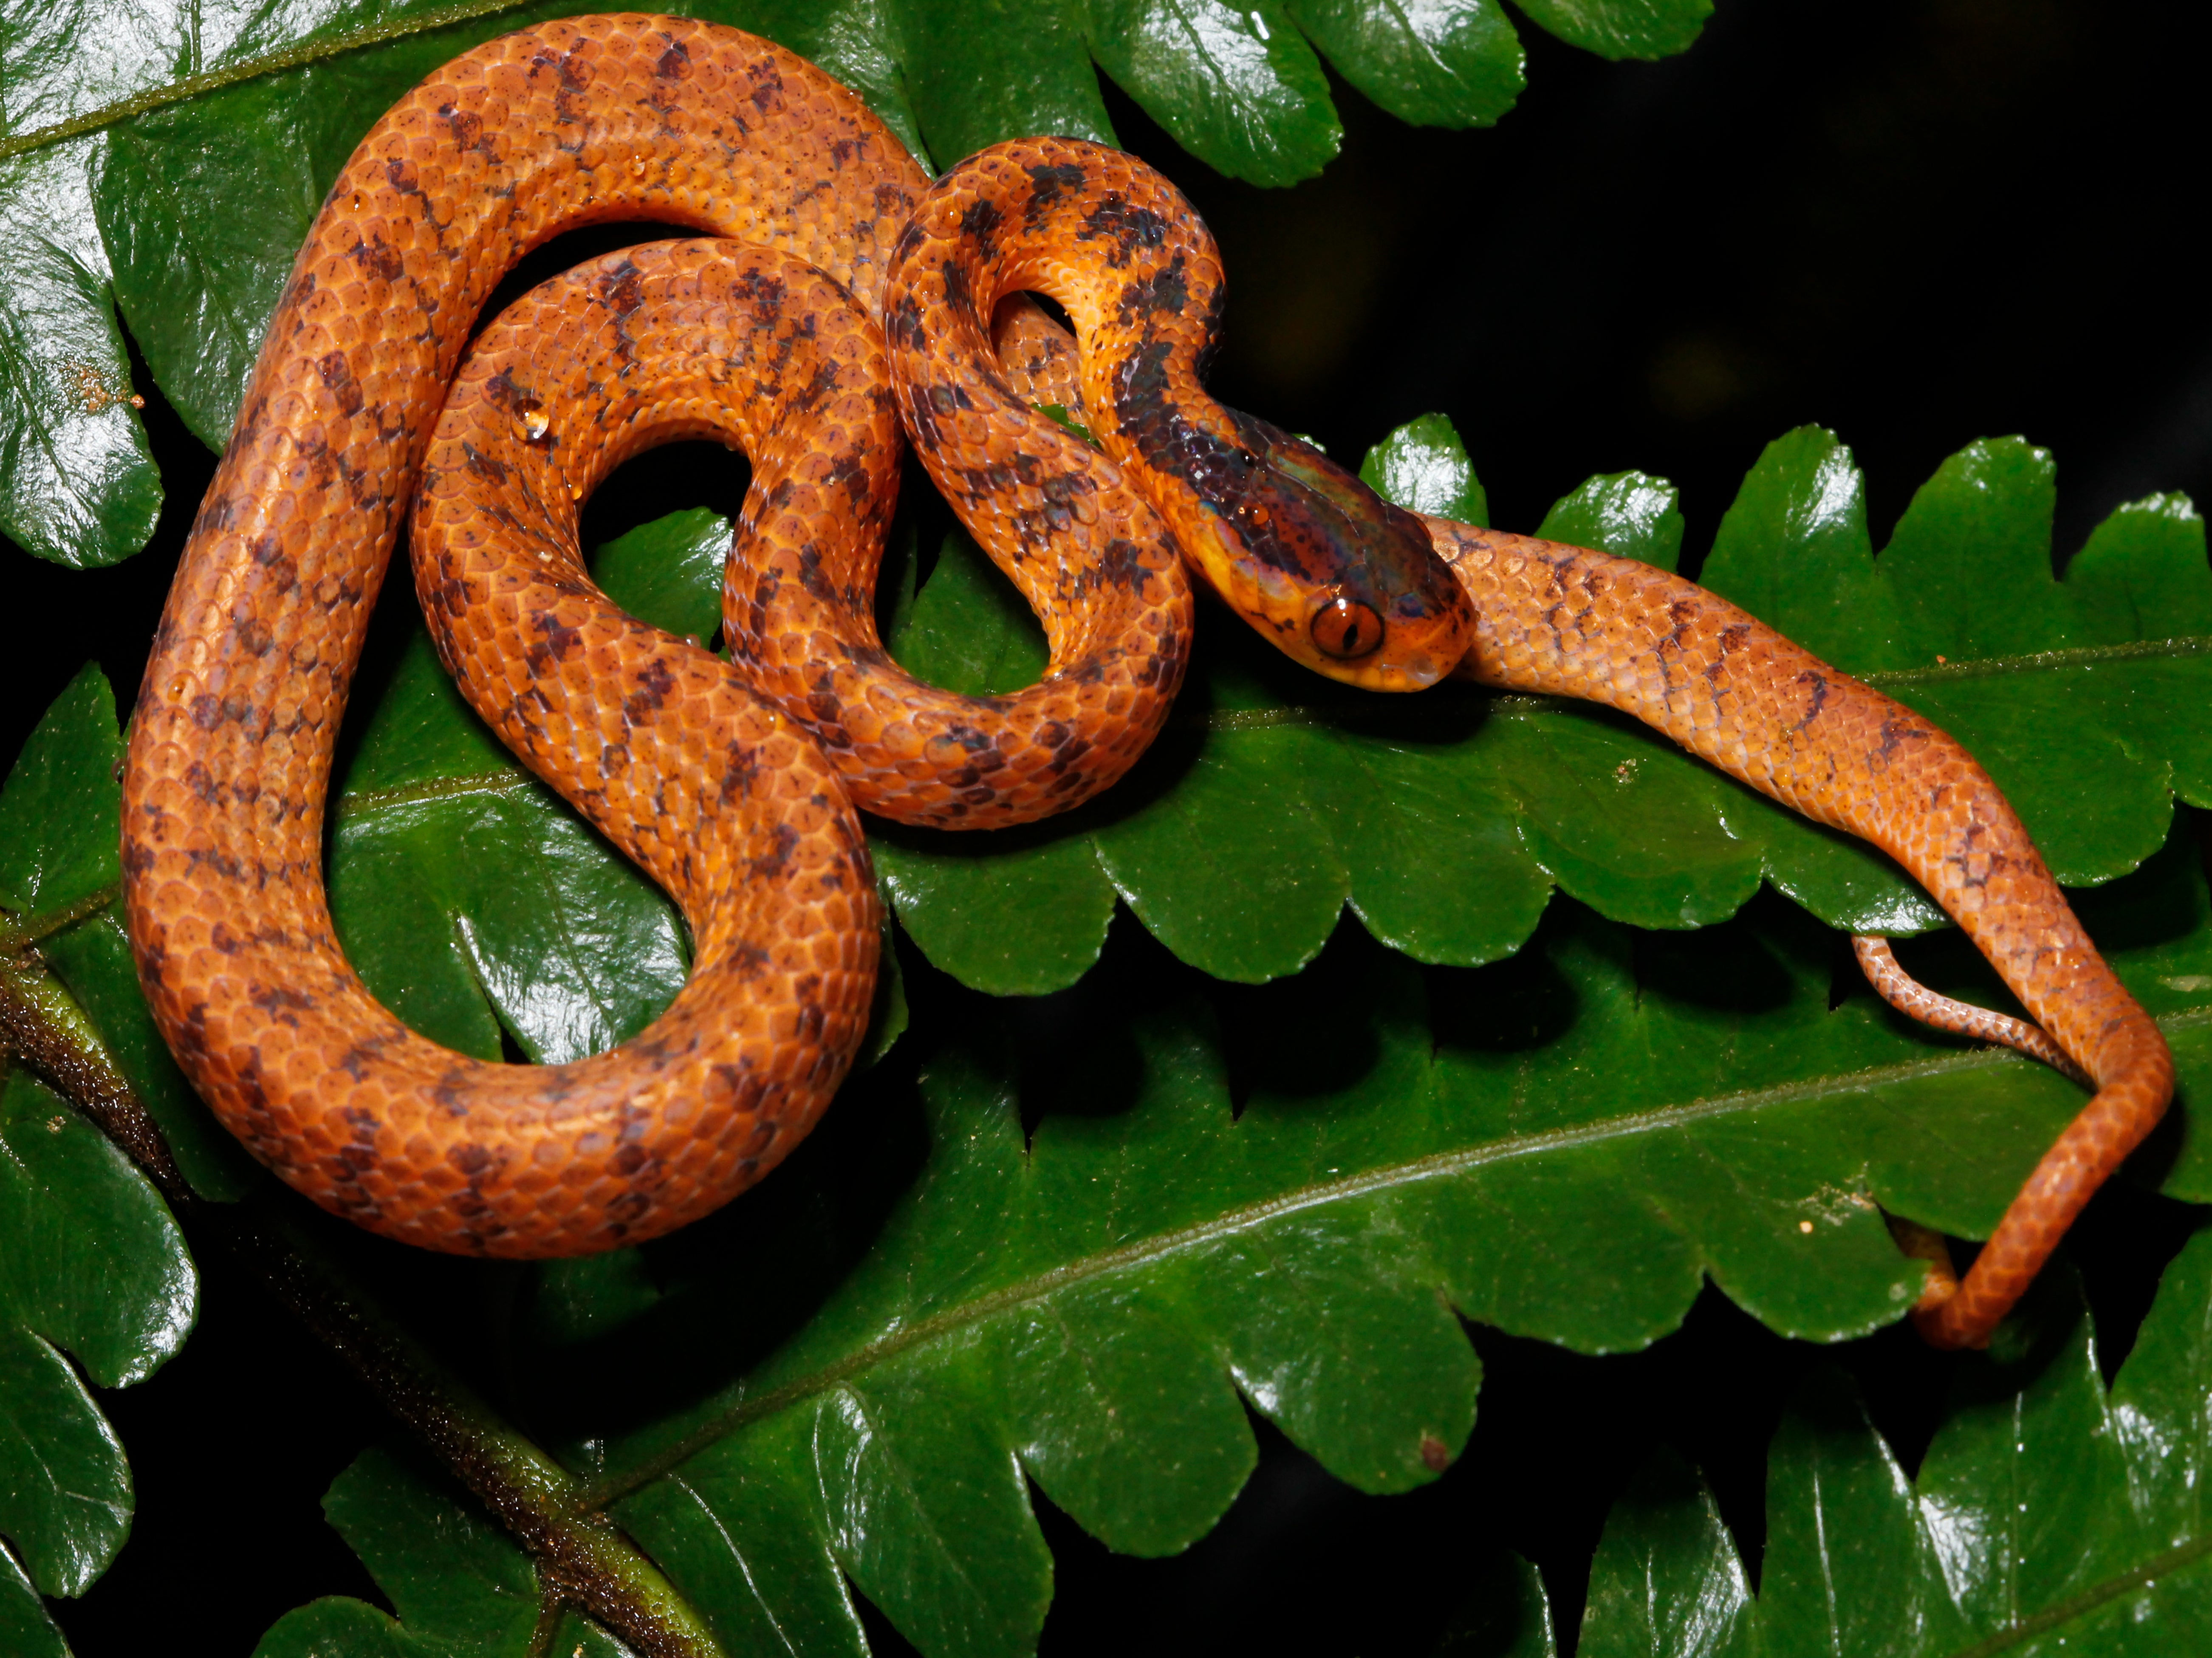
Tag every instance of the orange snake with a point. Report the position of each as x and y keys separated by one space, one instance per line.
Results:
x=733 y=784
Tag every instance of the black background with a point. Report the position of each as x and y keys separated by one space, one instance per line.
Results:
x=1914 y=223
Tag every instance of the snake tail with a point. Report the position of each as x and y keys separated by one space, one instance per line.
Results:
x=1910 y=997
x=1573 y=622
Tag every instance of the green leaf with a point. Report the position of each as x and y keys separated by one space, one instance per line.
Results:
x=1621 y=28
x=1423 y=466
x=1096 y=1256
x=2048 y=1516
x=60 y=810
x=1666 y=1578
x=472 y=900
x=25 y=1628
x=991 y=69
x=460 y=1586
x=92 y=1267
x=669 y=572
x=1632 y=515
x=753 y=1504
x=60 y=825
x=77 y=483
x=2082 y=704
x=969 y=629
x=1454 y=64
x=955 y=897
x=1444 y=821
x=1506 y=1615
x=1235 y=85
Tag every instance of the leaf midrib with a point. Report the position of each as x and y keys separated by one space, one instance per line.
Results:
x=1987 y=667
x=1161 y=1246
x=2097 y=1595
x=298 y=55
x=359 y=803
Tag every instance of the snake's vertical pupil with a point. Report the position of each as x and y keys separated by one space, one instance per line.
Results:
x=1346 y=629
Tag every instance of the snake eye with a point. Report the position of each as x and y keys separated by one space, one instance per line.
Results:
x=1345 y=629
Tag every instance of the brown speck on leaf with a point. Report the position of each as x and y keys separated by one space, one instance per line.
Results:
x=91 y=389
x=1436 y=1456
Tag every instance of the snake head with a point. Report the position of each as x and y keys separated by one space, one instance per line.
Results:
x=1338 y=578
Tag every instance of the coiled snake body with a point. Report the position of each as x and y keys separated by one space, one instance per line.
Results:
x=732 y=783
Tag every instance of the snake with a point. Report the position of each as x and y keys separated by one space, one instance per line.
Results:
x=829 y=303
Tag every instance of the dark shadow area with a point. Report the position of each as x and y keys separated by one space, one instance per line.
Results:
x=1915 y=224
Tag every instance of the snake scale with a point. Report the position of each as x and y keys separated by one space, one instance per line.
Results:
x=837 y=295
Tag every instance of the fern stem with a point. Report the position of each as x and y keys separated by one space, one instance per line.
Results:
x=17 y=931
x=274 y=63
x=583 y=1560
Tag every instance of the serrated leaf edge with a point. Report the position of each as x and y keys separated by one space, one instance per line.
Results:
x=1163 y=1246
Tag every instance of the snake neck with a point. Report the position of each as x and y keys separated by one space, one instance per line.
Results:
x=1337 y=579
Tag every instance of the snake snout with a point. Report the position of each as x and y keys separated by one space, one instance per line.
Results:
x=1375 y=606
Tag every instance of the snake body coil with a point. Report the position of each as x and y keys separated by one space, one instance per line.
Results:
x=733 y=784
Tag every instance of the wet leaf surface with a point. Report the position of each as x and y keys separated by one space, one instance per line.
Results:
x=2049 y=1516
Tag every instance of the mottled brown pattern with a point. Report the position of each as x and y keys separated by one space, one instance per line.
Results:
x=1579 y=623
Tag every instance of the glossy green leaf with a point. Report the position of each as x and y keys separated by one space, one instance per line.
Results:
x=1667 y=1578
x=1423 y=466
x=472 y=900
x=1095 y=1257
x=1453 y=64
x=1506 y=1615
x=25 y=1628
x=61 y=811
x=2081 y=702
x=91 y=1267
x=669 y=572
x=460 y=1586
x=2048 y=1516
x=983 y=70
x=1621 y=28
x=77 y=483
x=1633 y=514
x=1235 y=84
x=1444 y=821
x=968 y=628
x=60 y=825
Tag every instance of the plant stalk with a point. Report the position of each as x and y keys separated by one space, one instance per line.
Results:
x=583 y=1559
